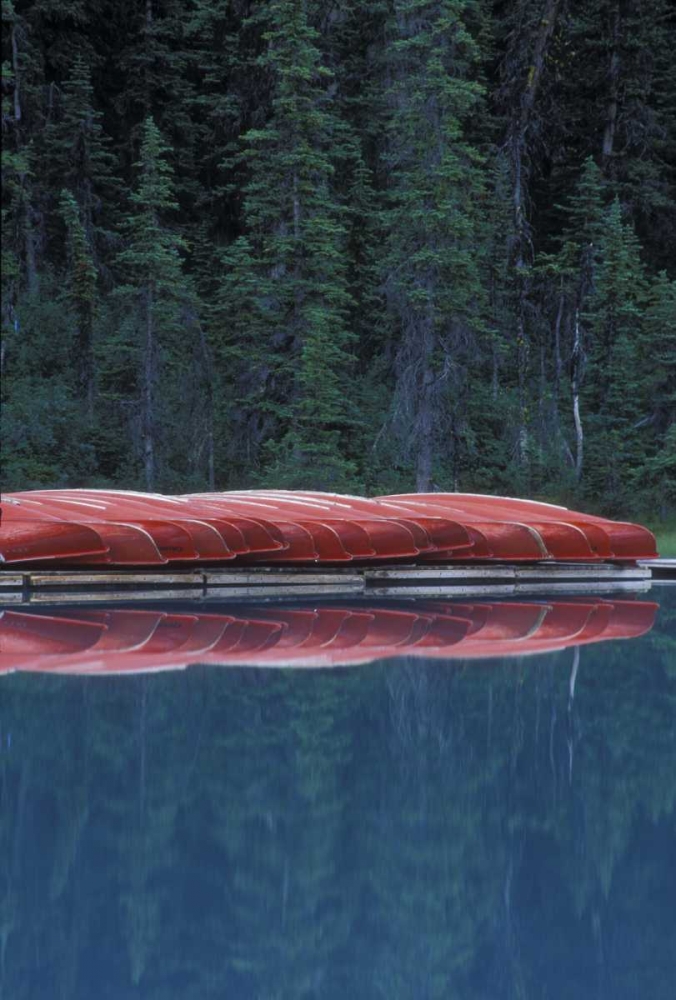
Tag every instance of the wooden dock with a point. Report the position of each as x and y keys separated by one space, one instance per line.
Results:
x=263 y=583
x=661 y=569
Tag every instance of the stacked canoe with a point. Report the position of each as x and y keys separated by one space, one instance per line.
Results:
x=117 y=528
x=119 y=640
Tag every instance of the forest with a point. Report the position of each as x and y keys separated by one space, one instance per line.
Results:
x=355 y=245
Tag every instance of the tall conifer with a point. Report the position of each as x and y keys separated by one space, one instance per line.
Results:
x=82 y=295
x=155 y=285
x=77 y=155
x=617 y=353
x=285 y=295
x=431 y=260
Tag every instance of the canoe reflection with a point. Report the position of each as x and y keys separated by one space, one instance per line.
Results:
x=76 y=640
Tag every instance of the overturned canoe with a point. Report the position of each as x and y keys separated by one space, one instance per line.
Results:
x=367 y=529
x=566 y=534
x=132 y=529
x=118 y=528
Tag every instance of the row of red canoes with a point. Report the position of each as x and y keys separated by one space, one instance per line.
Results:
x=110 y=641
x=123 y=528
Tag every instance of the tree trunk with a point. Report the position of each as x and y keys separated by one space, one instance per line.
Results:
x=518 y=146
x=542 y=407
x=495 y=371
x=425 y=420
x=32 y=278
x=613 y=90
x=209 y=407
x=147 y=395
x=15 y=71
x=86 y=358
x=579 y=432
x=558 y=364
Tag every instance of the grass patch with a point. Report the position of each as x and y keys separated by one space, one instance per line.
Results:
x=665 y=533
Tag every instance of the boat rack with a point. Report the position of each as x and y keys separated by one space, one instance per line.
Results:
x=265 y=583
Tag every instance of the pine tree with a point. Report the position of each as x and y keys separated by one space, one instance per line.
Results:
x=22 y=118
x=77 y=157
x=157 y=58
x=156 y=287
x=655 y=477
x=617 y=357
x=14 y=167
x=569 y=279
x=82 y=295
x=527 y=33
x=285 y=295
x=394 y=215
x=431 y=261
x=620 y=104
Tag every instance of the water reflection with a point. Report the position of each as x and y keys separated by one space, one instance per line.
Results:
x=115 y=640
x=421 y=828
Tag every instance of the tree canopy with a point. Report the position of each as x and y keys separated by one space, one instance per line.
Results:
x=362 y=245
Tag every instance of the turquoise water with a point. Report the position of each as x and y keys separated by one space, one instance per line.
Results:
x=414 y=828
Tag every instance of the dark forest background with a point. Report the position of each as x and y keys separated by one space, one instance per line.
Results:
x=358 y=245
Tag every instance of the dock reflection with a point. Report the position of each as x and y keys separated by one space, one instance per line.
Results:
x=120 y=640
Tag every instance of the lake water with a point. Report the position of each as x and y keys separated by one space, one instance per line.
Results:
x=425 y=826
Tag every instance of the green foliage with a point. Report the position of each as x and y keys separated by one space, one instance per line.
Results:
x=355 y=246
x=157 y=300
x=76 y=155
x=430 y=266
x=151 y=256
x=45 y=435
x=616 y=347
x=285 y=296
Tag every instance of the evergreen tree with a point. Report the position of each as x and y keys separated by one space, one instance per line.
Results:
x=14 y=167
x=382 y=259
x=658 y=423
x=155 y=291
x=285 y=295
x=625 y=55
x=77 y=157
x=570 y=280
x=617 y=353
x=82 y=294
x=527 y=33
x=431 y=225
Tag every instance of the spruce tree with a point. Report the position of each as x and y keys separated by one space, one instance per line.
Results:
x=14 y=170
x=389 y=198
x=655 y=476
x=617 y=357
x=284 y=297
x=155 y=287
x=431 y=224
x=569 y=278
x=82 y=294
x=526 y=32
x=622 y=105
x=77 y=157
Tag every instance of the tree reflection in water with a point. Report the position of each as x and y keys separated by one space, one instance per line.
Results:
x=421 y=827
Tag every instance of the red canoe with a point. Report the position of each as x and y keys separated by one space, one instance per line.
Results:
x=138 y=529
x=124 y=528
x=429 y=532
x=604 y=539
x=25 y=537
x=322 y=532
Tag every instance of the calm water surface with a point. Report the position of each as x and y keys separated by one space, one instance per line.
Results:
x=416 y=828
